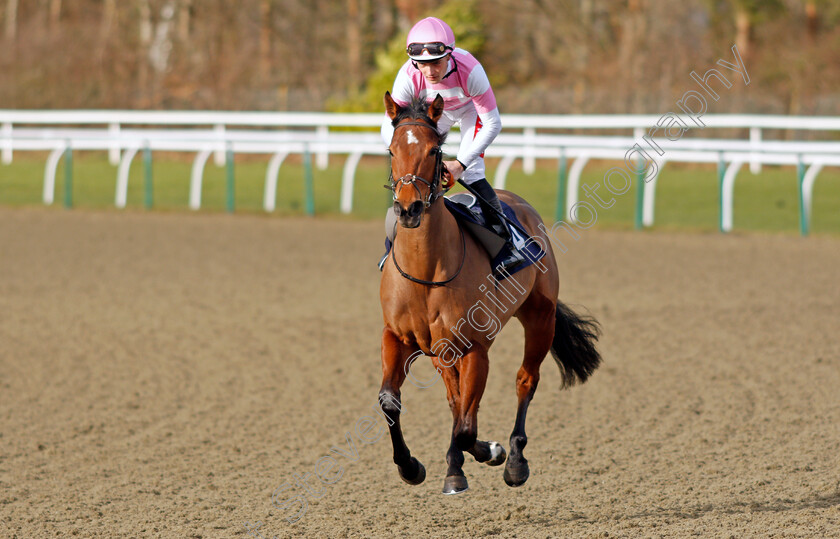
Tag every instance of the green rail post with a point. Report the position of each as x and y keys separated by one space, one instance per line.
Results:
x=68 y=176
x=561 y=187
x=803 y=216
x=309 y=196
x=230 y=178
x=721 y=173
x=148 y=191
x=640 y=191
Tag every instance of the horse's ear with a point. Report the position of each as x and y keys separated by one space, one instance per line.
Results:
x=391 y=106
x=436 y=108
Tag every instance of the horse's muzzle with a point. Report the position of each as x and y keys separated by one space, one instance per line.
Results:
x=409 y=218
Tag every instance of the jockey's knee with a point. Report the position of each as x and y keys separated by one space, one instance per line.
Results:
x=390 y=224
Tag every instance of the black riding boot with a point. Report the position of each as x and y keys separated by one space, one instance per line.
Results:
x=492 y=210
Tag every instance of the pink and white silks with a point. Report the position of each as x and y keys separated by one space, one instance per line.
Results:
x=468 y=100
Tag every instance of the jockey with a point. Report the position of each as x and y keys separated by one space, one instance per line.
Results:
x=435 y=67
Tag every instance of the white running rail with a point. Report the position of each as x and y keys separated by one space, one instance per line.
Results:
x=123 y=133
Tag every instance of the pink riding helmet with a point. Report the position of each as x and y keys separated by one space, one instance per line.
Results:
x=428 y=31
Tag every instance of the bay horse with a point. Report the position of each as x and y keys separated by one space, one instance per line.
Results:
x=436 y=302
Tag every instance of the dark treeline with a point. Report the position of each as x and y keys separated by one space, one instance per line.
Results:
x=582 y=56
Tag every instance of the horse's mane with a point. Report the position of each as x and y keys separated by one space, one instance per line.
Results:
x=417 y=110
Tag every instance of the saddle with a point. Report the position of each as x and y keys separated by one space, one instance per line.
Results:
x=469 y=215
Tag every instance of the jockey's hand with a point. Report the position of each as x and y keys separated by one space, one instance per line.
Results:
x=447 y=180
x=455 y=169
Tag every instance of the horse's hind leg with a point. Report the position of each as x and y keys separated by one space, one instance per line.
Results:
x=537 y=317
x=394 y=357
x=490 y=453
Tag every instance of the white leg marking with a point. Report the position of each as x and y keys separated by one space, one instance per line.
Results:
x=495 y=450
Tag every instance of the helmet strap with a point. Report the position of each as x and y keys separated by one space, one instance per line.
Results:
x=454 y=67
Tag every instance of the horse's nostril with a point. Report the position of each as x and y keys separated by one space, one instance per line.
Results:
x=415 y=209
x=398 y=211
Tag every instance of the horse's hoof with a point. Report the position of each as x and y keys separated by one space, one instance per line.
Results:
x=418 y=477
x=498 y=455
x=516 y=474
x=455 y=484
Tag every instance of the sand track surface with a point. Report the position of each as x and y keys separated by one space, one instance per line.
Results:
x=162 y=374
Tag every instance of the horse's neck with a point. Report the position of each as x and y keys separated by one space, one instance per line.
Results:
x=433 y=250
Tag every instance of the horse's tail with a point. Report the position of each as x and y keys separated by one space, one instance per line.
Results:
x=573 y=347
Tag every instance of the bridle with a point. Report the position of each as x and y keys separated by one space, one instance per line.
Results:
x=412 y=179
x=434 y=194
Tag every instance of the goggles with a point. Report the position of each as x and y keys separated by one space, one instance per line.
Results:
x=436 y=50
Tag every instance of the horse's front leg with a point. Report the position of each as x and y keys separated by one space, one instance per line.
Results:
x=456 y=481
x=490 y=453
x=394 y=357
x=467 y=384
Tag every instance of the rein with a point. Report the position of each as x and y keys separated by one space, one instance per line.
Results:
x=434 y=194
x=430 y=283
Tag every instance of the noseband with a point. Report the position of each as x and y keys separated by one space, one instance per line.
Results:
x=412 y=179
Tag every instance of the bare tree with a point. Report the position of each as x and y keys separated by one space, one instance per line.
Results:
x=109 y=13
x=354 y=43
x=747 y=14
x=55 y=14
x=541 y=55
x=385 y=20
x=811 y=15
x=145 y=22
x=11 y=19
x=184 y=18
x=743 y=26
x=265 y=41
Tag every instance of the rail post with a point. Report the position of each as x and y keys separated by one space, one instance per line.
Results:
x=6 y=133
x=219 y=154
x=640 y=192
x=721 y=170
x=528 y=159
x=803 y=217
x=68 y=176
x=309 y=196
x=114 y=149
x=322 y=160
x=560 y=206
x=148 y=187
x=755 y=140
x=230 y=189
